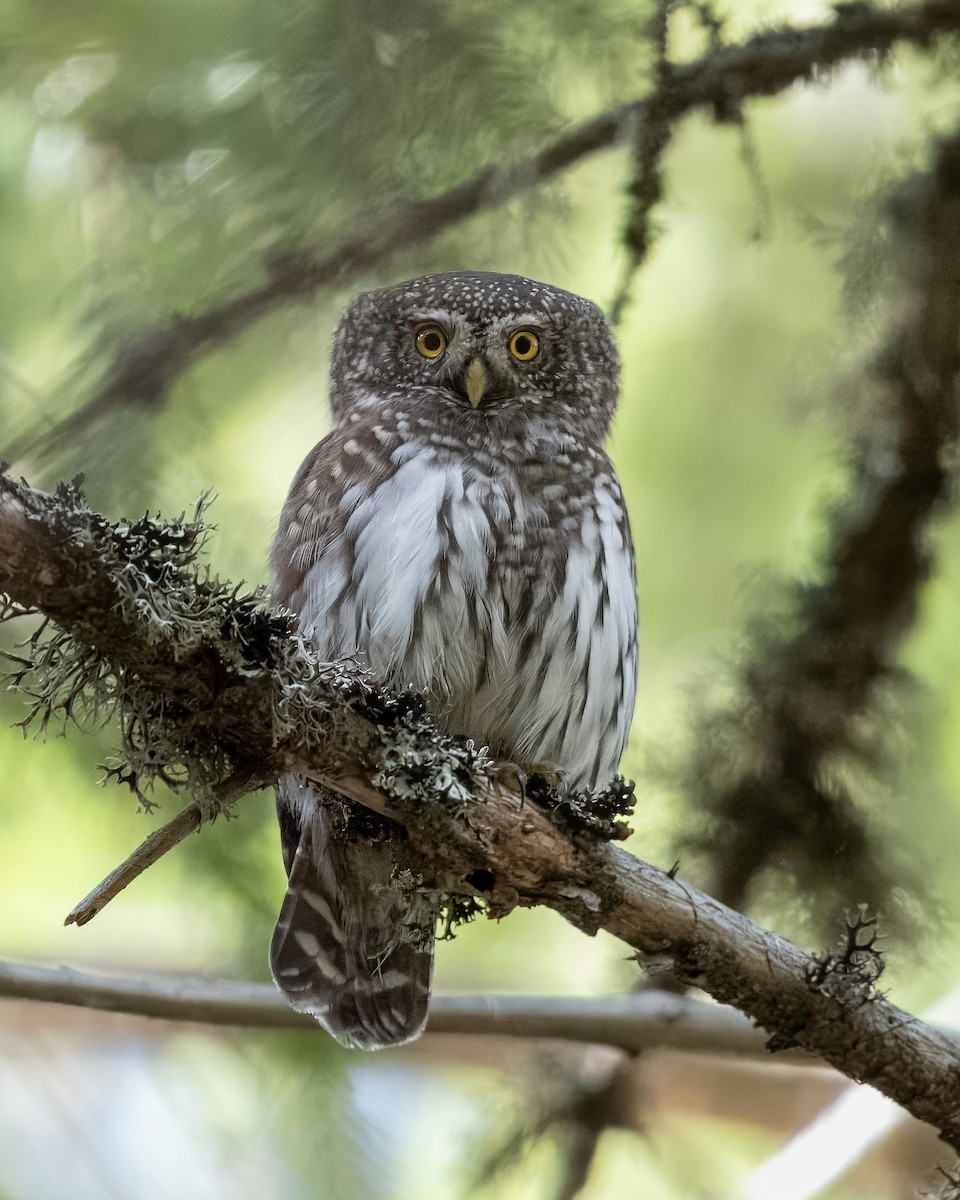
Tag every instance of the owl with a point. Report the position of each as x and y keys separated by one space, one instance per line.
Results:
x=462 y=532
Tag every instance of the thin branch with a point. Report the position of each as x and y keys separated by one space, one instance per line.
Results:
x=637 y=1022
x=721 y=80
x=153 y=848
x=159 y=842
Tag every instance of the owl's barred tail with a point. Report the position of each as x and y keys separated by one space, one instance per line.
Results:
x=352 y=947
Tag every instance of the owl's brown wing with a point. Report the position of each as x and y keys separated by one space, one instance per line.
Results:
x=341 y=471
x=352 y=947
x=353 y=944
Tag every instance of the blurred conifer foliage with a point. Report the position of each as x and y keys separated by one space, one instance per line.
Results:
x=197 y=189
x=162 y=162
x=204 y=145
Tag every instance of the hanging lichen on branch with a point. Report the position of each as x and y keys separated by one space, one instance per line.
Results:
x=213 y=693
x=471 y=833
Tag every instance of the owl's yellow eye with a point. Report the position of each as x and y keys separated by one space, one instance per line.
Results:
x=524 y=345
x=431 y=341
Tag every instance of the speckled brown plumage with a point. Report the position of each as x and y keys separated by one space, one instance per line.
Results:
x=475 y=547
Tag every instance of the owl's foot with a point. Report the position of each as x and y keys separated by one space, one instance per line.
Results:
x=530 y=778
x=600 y=813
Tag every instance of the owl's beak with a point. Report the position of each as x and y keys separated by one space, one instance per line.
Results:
x=476 y=381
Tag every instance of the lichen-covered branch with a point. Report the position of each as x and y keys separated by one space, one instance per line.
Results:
x=721 y=81
x=650 y=142
x=210 y=687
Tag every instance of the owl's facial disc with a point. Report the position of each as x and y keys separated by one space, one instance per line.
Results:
x=485 y=363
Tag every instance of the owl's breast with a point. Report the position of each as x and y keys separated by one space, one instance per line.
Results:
x=402 y=580
x=487 y=595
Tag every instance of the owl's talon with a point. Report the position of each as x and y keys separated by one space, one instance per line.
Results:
x=522 y=776
x=555 y=778
x=513 y=777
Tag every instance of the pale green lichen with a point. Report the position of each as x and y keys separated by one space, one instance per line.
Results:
x=160 y=597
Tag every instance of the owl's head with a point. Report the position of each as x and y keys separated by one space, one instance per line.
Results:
x=477 y=350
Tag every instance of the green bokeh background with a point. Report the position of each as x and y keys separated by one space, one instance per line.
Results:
x=151 y=154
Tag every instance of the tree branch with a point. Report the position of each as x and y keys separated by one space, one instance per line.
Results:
x=721 y=80
x=633 y=1023
x=222 y=686
x=211 y=688
x=650 y=143
x=162 y=840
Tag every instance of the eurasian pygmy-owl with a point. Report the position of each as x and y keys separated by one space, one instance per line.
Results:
x=460 y=530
